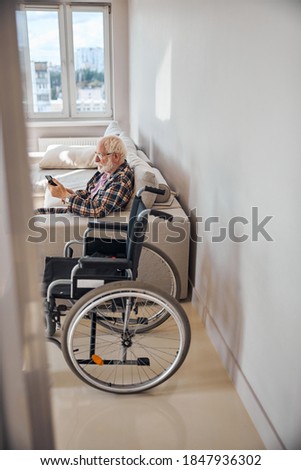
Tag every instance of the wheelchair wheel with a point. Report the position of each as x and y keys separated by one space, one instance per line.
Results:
x=126 y=359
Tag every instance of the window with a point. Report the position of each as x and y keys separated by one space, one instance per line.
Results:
x=65 y=60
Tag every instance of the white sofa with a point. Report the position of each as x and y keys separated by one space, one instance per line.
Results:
x=73 y=166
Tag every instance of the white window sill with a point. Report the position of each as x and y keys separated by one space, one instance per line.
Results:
x=68 y=123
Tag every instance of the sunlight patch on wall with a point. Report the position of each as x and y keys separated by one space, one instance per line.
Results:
x=163 y=87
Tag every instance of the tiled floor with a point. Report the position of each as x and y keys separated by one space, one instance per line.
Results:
x=197 y=408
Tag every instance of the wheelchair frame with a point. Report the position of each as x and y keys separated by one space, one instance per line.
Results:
x=125 y=336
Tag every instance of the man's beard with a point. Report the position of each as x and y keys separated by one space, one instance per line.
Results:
x=108 y=168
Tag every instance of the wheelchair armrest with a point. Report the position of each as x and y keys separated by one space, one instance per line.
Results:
x=68 y=252
x=151 y=189
x=98 y=262
x=108 y=225
x=162 y=215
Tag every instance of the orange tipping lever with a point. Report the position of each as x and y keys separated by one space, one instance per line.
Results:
x=98 y=360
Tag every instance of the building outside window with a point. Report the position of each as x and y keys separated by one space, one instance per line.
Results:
x=65 y=60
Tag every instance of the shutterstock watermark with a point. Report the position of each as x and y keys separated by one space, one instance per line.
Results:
x=257 y=228
x=61 y=228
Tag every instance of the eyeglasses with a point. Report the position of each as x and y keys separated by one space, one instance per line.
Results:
x=101 y=155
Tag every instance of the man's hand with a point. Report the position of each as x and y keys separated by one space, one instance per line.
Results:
x=70 y=191
x=59 y=191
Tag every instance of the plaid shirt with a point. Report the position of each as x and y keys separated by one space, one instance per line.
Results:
x=115 y=194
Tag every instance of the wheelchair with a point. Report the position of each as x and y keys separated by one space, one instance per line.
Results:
x=120 y=334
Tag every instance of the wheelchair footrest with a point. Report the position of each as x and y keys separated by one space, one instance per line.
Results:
x=119 y=321
x=140 y=361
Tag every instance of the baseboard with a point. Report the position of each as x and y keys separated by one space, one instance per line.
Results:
x=247 y=395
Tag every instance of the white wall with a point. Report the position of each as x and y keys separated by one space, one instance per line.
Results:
x=215 y=98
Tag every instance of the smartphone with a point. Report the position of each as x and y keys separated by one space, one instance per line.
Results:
x=50 y=180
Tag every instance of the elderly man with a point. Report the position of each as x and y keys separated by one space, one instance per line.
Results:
x=108 y=190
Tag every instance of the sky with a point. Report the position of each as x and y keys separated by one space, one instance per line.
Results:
x=44 y=34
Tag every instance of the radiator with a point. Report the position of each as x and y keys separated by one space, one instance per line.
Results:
x=44 y=142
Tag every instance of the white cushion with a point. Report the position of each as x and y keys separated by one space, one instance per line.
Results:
x=155 y=180
x=129 y=143
x=133 y=160
x=144 y=176
x=141 y=154
x=113 y=129
x=71 y=157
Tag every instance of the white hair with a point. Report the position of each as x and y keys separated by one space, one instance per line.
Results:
x=114 y=144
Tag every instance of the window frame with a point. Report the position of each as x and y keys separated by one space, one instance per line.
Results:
x=69 y=112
